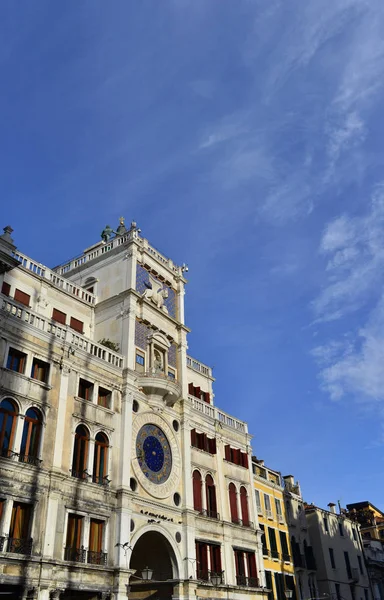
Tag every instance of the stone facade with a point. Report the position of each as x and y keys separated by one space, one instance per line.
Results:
x=114 y=457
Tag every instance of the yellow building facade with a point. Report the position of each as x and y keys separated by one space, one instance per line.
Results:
x=277 y=554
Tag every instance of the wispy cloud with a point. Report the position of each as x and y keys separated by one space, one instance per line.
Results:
x=354 y=269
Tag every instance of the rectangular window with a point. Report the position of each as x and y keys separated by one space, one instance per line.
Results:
x=252 y=571
x=16 y=360
x=341 y=529
x=76 y=325
x=273 y=543
x=332 y=558
x=279 y=583
x=104 y=397
x=241 y=578
x=202 y=561
x=348 y=565
x=40 y=370
x=215 y=556
x=267 y=504
x=366 y=595
x=5 y=289
x=96 y=555
x=59 y=316
x=140 y=361
x=337 y=590
x=85 y=389
x=235 y=456
x=73 y=550
x=325 y=522
x=290 y=585
x=19 y=530
x=354 y=534
x=268 y=581
x=203 y=442
x=171 y=374
x=22 y=297
x=258 y=502
x=264 y=541
x=284 y=546
x=360 y=564
x=278 y=507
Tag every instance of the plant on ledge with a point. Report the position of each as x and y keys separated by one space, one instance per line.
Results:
x=109 y=344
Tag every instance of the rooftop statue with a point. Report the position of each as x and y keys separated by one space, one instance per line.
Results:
x=106 y=233
x=121 y=228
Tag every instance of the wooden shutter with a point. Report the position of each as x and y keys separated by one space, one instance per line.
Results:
x=197 y=392
x=244 y=459
x=207 y=398
x=252 y=572
x=197 y=500
x=5 y=289
x=212 y=445
x=193 y=437
x=227 y=452
x=59 y=316
x=215 y=558
x=202 y=559
x=76 y=325
x=233 y=502
x=22 y=297
x=210 y=494
x=190 y=389
x=244 y=506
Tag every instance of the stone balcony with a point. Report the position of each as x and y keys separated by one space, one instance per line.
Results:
x=159 y=387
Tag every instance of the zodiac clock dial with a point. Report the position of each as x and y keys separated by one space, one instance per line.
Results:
x=153 y=453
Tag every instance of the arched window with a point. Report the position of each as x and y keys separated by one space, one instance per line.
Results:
x=100 y=461
x=210 y=491
x=244 y=506
x=30 y=441
x=233 y=503
x=197 y=500
x=8 y=416
x=80 y=452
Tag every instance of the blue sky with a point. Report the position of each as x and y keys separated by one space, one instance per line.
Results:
x=245 y=138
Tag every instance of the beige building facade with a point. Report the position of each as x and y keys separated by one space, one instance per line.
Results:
x=117 y=469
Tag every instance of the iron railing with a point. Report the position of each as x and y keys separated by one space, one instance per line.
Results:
x=214 y=577
x=20 y=546
x=101 y=480
x=2 y=543
x=96 y=558
x=247 y=581
x=84 y=475
x=209 y=513
x=75 y=554
x=18 y=457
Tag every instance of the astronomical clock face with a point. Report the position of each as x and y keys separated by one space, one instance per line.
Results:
x=154 y=453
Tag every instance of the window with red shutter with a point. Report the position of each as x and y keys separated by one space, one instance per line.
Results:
x=197 y=488
x=252 y=572
x=212 y=445
x=59 y=316
x=202 y=561
x=76 y=325
x=22 y=297
x=244 y=459
x=5 y=289
x=211 y=497
x=215 y=558
x=227 y=453
x=193 y=438
x=233 y=503
x=191 y=389
x=244 y=506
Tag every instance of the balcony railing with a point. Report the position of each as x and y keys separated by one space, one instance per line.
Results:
x=20 y=546
x=18 y=457
x=214 y=413
x=63 y=332
x=83 y=475
x=214 y=577
x=269 y=514
x=198 y=366
x=96 y=558
x=247 y=581
x=209 y=513
x=104 y=481
x=75 y=554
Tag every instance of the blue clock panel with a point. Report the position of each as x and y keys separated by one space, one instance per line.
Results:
x=154 y=453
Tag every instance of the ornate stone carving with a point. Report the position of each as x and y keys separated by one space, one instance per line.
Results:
x=55 y=594
x=156 y=293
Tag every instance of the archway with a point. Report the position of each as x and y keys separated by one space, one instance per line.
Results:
x=154 y=551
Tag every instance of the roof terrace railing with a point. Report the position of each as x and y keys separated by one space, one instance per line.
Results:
x=59 y=282
x=214 y=413
x=63 y=332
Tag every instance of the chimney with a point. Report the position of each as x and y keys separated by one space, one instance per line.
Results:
x=332 y=507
